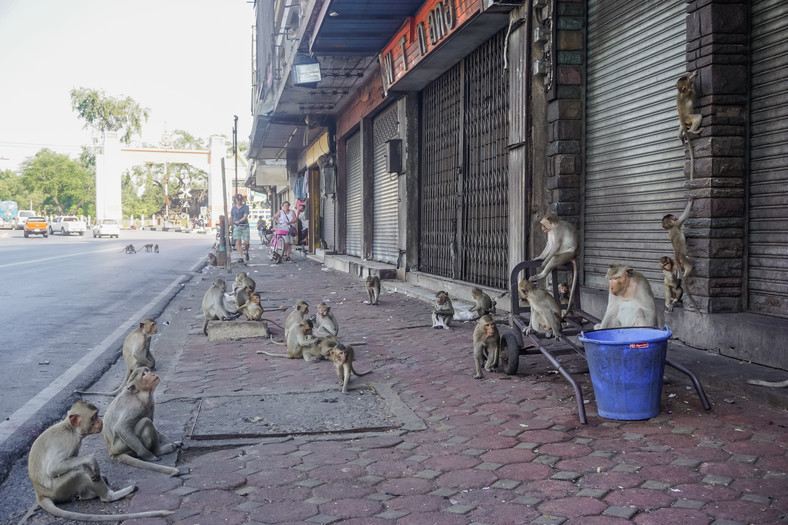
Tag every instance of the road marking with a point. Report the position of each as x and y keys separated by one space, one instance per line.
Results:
x=33 y=261
x=29 y=409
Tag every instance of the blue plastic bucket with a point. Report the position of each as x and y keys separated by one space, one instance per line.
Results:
x=626 y=366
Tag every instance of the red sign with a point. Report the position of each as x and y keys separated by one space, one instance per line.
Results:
x=435 y=22
x=639 y=345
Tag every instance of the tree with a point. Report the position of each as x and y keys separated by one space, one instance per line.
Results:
x=105 y=113
x=58 y=184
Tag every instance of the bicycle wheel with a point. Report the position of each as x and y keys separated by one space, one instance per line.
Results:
x=276 y=248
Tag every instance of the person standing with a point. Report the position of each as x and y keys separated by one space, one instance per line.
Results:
x=303 y=220
x=240 y=215
x=285 y=218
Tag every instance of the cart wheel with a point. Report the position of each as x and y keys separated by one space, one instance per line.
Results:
x=510 y=354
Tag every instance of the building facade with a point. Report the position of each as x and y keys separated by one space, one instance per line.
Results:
x=437 y=133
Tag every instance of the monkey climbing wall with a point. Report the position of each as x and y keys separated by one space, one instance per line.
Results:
x=464 y=180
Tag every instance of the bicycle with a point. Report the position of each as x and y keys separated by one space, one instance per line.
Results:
x=276 y=244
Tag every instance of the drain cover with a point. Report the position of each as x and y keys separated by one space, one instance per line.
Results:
x=293 y=413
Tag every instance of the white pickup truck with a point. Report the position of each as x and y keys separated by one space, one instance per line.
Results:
x=66 y=225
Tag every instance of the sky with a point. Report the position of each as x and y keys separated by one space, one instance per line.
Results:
x=188 y=61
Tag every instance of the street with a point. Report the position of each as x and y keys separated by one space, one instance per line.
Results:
x=66 y=305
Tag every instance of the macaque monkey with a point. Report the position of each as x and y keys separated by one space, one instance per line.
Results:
x=213 y=306
x=688 y=122
x=677 y=239
x=372 y=283
x=545 y=310
x=148 y=247
x=59 y=474
x=326 y=323
x=297 y=316
x=242 y=295
x=443 y=312
x=563 y=293
x=301 y=344
x=129 y=432
x=673 y=289
x=484 y=304
x=241 y=280
x=342 y=356
x=770 y=384
x=212 y=259
x=129 y=249
x=136 y=353
x=486 y=340
x=155 y=248
x=562 y=246
x=251 y=309
x=630 y=301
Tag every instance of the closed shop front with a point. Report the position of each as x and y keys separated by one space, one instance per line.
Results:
x=464 y=176
x=385 y=189
x=327 y=215
x=768 y=184
x=354 y=207
x=634 y=160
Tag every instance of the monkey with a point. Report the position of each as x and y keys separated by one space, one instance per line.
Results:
x=241 y=280
x=486 y=340
x=545 y=310
x=372 y=283
x=630 y=301
x=342 y=356
x=251 y=309
x=563 y=293
x=443 y=313
x=242 y=295
x=327 y=325
x=148 y=247
x=770 y=384
x=301 y=344
x=673 y=289
x=129 y=249
x=677 y=239
x=136 y=353
x=155 y=248
x=301 y=309
x=562 y=246
x=129 y=432
x=213 y=305
x=484 y=304
x=212 y=259
x=688 y=122
x=59 y=474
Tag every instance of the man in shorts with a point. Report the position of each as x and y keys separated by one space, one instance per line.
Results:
x=240 y=216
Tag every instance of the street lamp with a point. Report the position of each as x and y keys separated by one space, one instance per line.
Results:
x=235 y=150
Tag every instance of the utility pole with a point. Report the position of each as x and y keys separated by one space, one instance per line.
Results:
x=235 y=150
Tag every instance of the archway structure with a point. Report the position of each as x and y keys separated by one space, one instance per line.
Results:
x=115 y=160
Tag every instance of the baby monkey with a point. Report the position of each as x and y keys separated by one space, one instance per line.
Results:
x=443 y=312
x=673 y=289
x=372 y=283
x=342 y=356
x=484 y=304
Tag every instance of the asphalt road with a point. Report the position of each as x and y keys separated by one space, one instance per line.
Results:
x=66 y=304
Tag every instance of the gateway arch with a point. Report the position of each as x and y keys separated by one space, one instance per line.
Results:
x=116 y=159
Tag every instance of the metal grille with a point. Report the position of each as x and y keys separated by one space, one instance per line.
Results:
x=385 y=216
x=464 y=175
x=634 y=162
x=354 y=196
x=768 y=199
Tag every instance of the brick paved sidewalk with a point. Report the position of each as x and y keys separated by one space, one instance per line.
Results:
x=503 y=450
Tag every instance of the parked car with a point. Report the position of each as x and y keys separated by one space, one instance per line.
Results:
x=22 y=217
x=108 y=227
x=66 y=225
x=36 y=226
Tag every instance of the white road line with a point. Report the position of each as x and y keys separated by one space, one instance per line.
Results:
x=34 y=261
x=29 y=409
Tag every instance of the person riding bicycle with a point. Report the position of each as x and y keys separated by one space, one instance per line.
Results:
x=240 y=215
x=284 y=219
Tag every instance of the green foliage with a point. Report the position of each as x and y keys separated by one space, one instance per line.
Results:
x=11 y=188
x=105 y=113
x=58 y=185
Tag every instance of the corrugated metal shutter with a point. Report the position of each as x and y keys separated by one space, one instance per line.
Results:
x=354 y=188
x=386 y=192
x=327 y=231
x=768 y=201
x=634 y=160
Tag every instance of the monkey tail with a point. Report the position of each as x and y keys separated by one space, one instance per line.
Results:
x=692 y=156
x=49 y=506
x=147 y=465
x=572 y=291
x=271 y=338
x=272 y=322
x=359 y=375
x=692 y=299
x=273 y=355
x=770 y=384
x=113 y=393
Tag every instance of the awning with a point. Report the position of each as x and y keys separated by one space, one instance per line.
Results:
x=262 y=173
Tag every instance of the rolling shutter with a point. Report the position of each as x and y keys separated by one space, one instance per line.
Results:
x=634 y=160
x=327 y=231
x=386 y=189
x=768 y=185
x=354 y=194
